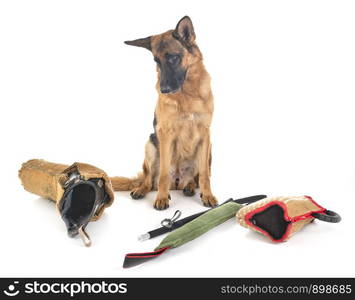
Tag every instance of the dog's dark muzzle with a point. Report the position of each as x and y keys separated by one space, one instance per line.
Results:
x=171 y=79
x=167 y=90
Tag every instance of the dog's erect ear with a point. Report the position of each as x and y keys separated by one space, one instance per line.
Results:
x=184 y=31
x=145 y=43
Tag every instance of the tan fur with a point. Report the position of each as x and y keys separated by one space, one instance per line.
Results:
x=183 y=131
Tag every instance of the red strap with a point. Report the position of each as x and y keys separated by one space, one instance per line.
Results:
x=306 y=216
x=134 y=259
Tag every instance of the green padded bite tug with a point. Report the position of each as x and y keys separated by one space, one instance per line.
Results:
x=200 y=225
x=192 y=230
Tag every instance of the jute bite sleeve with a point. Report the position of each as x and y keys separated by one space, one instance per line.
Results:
x=81 y=191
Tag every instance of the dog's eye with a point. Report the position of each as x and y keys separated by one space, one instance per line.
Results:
x=173 y=59
x=157 y=60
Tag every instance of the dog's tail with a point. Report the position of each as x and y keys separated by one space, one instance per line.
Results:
x=126 y=184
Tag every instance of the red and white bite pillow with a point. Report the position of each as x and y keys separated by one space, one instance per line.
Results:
x=280 y=217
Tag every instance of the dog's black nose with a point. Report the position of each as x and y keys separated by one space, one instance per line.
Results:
x=165 y=90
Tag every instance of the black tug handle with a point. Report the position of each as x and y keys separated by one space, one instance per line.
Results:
x=328 y=216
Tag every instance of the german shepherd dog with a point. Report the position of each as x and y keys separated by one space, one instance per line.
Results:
x=178 y=153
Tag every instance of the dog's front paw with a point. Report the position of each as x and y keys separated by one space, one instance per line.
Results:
x=162 y=202
x=209 y=200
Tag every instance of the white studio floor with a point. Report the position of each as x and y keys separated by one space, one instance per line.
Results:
x=35 y=242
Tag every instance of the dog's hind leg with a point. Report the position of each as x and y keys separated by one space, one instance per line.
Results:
x=189 y=189
x=190 y=178
x=149 y=172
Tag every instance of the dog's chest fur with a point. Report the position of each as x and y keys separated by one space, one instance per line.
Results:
x=186 y=121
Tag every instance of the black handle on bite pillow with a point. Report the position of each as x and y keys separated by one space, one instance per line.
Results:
x=328 y=216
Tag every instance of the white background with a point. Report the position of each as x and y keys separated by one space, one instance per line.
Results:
x=283 y=75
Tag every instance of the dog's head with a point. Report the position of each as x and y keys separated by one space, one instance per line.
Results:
x=174 y=52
